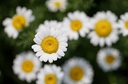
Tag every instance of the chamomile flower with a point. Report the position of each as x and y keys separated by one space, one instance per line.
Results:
x=77 y=23
x=50 y=24
x=18 y=22
x=123 y=24
x=77 y=71
x=26 y=65
x=50 y=74
x=109 y=59
x=50 y=44
x=55 y=5
x=104 y=29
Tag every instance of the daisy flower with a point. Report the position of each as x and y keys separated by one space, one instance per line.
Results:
x=55 y=5
x=123 y=24
x=77 y=71
x=50 y=24
x=18 y=22
x=104 y=29
x=109 y=59
x=76 y=23
x=26 y=65
x=50 y=74
x=50 y=44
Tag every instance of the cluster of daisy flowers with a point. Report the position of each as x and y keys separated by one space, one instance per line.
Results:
x=74 y=71
x=51 y=42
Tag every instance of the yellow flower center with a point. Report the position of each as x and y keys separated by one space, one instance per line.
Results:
x=57 y=4
x=27 y=66
x=76 y=73
x=50 y=79
x=103 y=28
x=126 y=24
x=19 y=22
x=110 y=59
x=50 y=44
x=76 y=25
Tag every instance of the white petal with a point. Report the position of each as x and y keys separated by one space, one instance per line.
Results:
x=63 y=48
x=101 y=42
x=39 y=53
x=63 y=44
x=36 y=48
x=37 y=40
x=60 y=52
x=7 y=22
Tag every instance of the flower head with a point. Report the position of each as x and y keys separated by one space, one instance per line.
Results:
x=26 y=65
x=50 y=74
x=50 y=44
x=123 y=24
x=104 y=29
x=77 y=23
x=18 y=22
x=55 y=5
x=77 y=71
x=109 y=59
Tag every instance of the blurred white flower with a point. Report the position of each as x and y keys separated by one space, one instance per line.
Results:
x=109 y=59
x=123 y=24
x=20 y=20
x=26 y=65
x=104 y=29
x=55 y=5
x=77 y=23
x=50 y=44
x=77 y=71
x=50 y=24
x=50 y=74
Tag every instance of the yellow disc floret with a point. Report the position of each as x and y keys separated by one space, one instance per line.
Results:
x=76 y=25
x=103 y=28
x=19 y=22
x=126 y=24
x=27 y=66
x=57 y=4
x=50 y=79
x=50 y=44
x=110 y=59
x=76 y=73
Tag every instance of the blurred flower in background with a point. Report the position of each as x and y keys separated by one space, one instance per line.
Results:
x=77 y=23
x=20 y=20
x=77 y=71
x=104 y=29
x=50 y=74
x=109 y=59
x=55 y=5
x=123 y=24
x=26 y=65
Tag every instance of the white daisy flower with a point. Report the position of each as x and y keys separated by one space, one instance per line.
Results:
x=50 y=24
x=50 y=44
x=77 y=71
x=55 y=5
x=109 y=59
x=76 y=23
x=123 y=24
x=20 y=20
x=50 y=74
x=26 y=65
x=104 y=29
